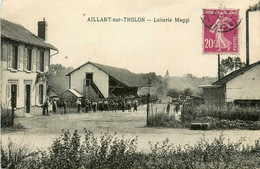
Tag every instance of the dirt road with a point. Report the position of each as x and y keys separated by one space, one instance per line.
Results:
x=41 y=130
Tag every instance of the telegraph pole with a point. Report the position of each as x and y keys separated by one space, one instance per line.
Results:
x=218 y=66
x=247 y=37
x=148 y=81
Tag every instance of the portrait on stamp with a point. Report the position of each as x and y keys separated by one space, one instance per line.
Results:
x=220 y=31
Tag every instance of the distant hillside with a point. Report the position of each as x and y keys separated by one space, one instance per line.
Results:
x=160 y=85
x=189 y=81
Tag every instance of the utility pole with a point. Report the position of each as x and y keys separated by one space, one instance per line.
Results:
x=218 y=66
x=247 y=37
x=148 y=81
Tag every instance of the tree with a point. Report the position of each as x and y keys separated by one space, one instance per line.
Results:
x=255 y=7
x=173 y=93
x=56 y=79
x=187 y=92
x=229 y=64
x=158 y=82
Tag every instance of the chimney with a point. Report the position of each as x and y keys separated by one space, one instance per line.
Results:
x=42 y=29
x=247 y=37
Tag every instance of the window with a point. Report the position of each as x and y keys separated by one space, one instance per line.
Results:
x=29 y=59
x=42 y=61
x=89 y=78
x=15 y=57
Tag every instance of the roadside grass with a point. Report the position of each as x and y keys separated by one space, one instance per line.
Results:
x=110 y=151
x=6 y=121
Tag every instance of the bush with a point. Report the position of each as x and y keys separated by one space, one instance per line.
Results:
x=6 y=117
x=67 y=151
x=166 y=120
x=230 y=112
x=16 y=156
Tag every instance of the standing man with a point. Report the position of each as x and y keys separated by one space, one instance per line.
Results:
x=116 y=106
x=123 y=105
x=168 y=108
x=78 y=105
x=46 y=106
x=54 y=106
x=100 y=106
x=94 y=106
x=105 y=105
x=135 y=104
x=87 y=106
x=65 y=107
x=128 y=103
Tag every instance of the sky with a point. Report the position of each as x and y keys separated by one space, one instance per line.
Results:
x=140 y=47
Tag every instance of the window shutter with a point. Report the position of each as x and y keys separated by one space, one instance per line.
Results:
x=20 y=58
x=8 y=91
x=9 y=56
x=4 y=55
x=25 y=59
x=36 y=94
x=33 y=60
x=44 y=92
x=4 y=52
x=8 y=95
x=17 y=91
x=46 y=61
x=37 y=60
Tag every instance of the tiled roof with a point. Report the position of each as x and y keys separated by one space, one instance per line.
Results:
x=122 y=75
x=234 y=74
x=18 y=33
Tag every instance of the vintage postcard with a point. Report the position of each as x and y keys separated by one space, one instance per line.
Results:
x=130 y=84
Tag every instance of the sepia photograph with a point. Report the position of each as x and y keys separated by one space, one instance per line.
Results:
x=168 y=84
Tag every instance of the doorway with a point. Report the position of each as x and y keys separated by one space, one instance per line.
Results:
x=89 y=78
x=14 y=89
x=28 y=98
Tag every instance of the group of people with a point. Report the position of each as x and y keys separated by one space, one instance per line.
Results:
x=107 y=105
x=103 y=105
x=176 y=107
x=45 y=107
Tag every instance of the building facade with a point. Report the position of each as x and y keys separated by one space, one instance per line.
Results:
x=25 y=59
x=240 y=86
x=93 y=80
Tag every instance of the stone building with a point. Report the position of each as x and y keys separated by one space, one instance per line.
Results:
x=25 y=59
x=93 y=80
x=240 y=87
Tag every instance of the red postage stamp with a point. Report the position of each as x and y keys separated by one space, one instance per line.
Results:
x=220 y=31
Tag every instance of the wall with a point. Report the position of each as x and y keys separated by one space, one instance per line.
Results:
x=69 y=98
x=214 y=96
x=21 y=76
x=244 y=86
x=100 y=78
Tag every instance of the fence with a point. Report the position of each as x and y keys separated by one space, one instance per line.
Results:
x=158 y=110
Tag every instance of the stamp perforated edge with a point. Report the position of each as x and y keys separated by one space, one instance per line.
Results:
x=224 y=53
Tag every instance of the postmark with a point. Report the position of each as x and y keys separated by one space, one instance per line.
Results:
x=220 y=31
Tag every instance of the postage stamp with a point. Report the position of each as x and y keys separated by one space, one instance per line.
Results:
x=220 y=33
